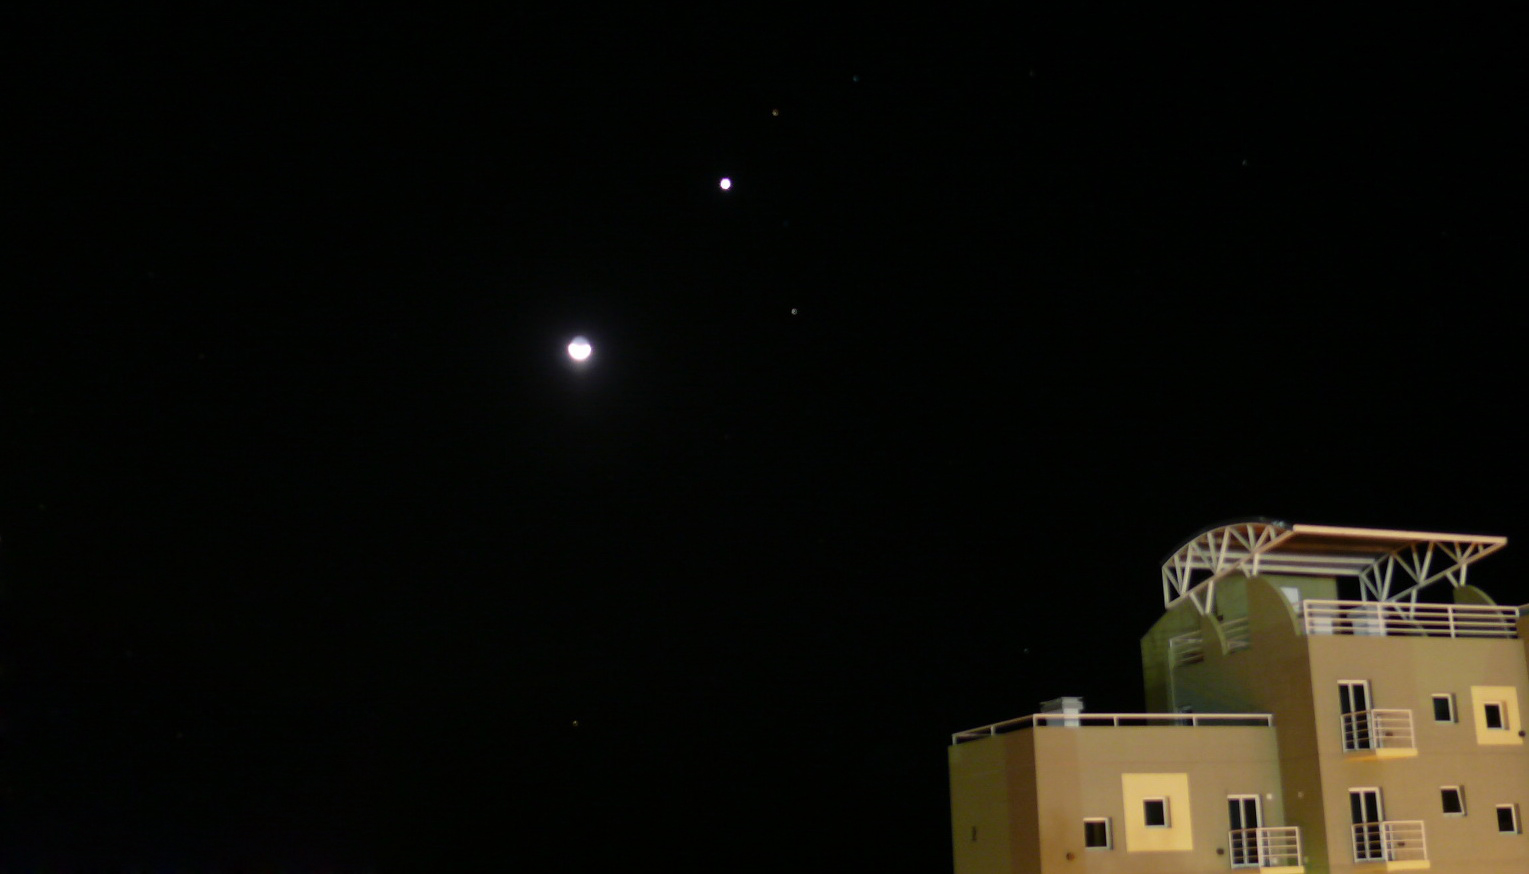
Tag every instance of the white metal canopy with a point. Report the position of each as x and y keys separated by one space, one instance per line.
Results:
x=1371 y=554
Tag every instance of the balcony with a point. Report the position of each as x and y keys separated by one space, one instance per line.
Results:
x=1399 y=844
x=1403 y=619
x=1239 y=634
x=1268 y=849
x=1114 y=720
x=1186 y=649
x=1189 y=648
x=1379 y=734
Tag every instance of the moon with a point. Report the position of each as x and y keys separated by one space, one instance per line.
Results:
x=579 y=349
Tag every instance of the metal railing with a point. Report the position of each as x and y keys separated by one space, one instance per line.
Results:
x=1265 y=847
x=1403 y=619
x=1114 y=720
x=1390 y=841
x=1239 y=634
x=1186 y=649
x=1378 y=730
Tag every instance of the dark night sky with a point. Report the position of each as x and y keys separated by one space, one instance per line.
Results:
x=313 y=546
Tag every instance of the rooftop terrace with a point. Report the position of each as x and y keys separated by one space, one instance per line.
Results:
x=1403 y=619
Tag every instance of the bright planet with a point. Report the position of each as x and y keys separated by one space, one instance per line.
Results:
x=726 y=183
x=579 y=349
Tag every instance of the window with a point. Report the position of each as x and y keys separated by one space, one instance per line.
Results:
x=1155 y=812
x=1492 y=715
x=1354 y=704
x=1369 y=824
x=1507 y=819
x=1444 y=708
x=1454 y=800
x=1243 y=820
x=1494 y=712
x=1096 y=833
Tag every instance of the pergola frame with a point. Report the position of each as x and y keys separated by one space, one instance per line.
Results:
x=1373 y=555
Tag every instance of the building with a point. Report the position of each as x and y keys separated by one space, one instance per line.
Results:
x=1324 y=700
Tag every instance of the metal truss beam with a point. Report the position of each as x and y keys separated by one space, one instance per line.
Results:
x=1424 y=564
x=1219 y=551
x=1372 y=555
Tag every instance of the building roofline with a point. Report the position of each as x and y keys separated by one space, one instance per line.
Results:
x=1116 y=720
x=1371 y=554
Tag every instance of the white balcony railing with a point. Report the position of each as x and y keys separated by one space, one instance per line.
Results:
x=1186 y=649
x=1265 y=847
x=1402 y=619
x=1114 y=720
x=1189 y=648
x=1239 y=635
x=1390 y=841
x=1378 y=730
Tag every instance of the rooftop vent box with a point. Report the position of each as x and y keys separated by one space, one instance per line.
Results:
x=1070 y=706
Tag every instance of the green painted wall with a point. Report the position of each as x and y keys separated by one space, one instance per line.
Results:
x=993 y=805
x=1156 y=671
x=1272 y=676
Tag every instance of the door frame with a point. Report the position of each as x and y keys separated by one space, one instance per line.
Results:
x=1378 y=837
x=1251 y=850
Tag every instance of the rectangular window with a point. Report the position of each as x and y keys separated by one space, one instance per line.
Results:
x=1492 y=715
x=1507 y=819
x=1444 y=708
x=1155 y=812
x=1096 y=833
x=1454 y=800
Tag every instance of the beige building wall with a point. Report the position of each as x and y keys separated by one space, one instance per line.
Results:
x=1066 y=774
x=1296 y=677
x=1405 y=673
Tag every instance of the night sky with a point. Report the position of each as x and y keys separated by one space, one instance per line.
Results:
x=318 y=553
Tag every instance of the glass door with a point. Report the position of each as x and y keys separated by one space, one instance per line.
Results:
x=1243 y=814
x=1369 y=843
x=1354 y=699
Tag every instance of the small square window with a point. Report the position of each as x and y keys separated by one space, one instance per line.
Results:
x=1155 y=812
x=1443 y=708
x=1454 y=800
x=1507 y=819
x=1096 y=833
x=1492 y=715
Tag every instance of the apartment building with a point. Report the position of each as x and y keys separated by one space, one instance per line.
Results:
x=1322 y=699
